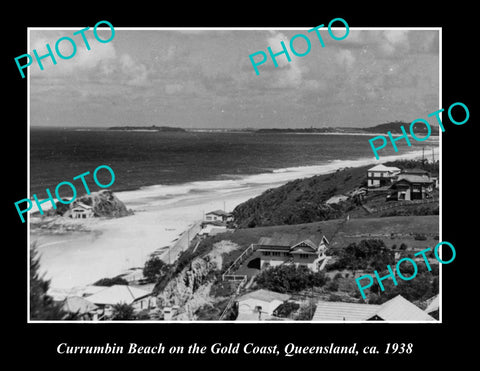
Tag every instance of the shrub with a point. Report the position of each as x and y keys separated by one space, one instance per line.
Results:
x=332 y=286
x=222 y=288
x=306 y=312
x=420 y=237
x=154 y=268
x=111 y=281
x=288 y=278
x=122 y=312
x=285 y=309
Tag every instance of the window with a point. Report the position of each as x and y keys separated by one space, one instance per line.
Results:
x=304 y=256
x=266 y=253
x=275 y=253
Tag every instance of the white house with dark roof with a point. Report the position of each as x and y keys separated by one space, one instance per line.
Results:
x=82 y=211
x=309 y=252
x=381 y=175
x=218 y=216
x=413 y=184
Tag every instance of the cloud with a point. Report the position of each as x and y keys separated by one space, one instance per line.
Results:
x=345 y=58
x=394 y=40
x=290 y=73
x=100 y=63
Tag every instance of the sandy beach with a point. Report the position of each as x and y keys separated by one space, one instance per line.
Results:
x=162 y=213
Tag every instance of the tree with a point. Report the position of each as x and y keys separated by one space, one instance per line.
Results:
x=290 y=278
x=122 y=311
x=42 y=306
x=154 y=268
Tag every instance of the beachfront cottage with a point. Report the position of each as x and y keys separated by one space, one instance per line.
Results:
x=413 y=184
x=259 y=305
x=80 y=307
x=218 y=216
x=396 y=309
x=138 y=298
x=82 y=211
x=381 y=175
x=307 y=252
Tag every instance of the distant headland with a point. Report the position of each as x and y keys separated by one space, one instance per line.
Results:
x=149 y=128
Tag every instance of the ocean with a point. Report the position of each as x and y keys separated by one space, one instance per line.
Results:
x=142 y=159
x=170 y=180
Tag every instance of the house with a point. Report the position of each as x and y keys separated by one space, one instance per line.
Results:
x=138 y=298
x=81 y=307
x=82 y=211
x=281 y=249
x=396 y=309
x=212 y=230
x=413 y=184
x=433 y=306
x=218 y=216
x=259 y=305
x=400 y=309
x=381 y=175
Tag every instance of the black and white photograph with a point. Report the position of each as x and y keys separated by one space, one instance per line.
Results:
x=213 y=193
x=279 y=188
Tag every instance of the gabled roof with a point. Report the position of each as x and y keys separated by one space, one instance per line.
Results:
x=77 y=304
x=339 y=311
x=117 y=294
x=264 y=295
x=396 y=309
x=412 y=178
x=82 y=205
x=304 y=245
x=381 y=167
x=400 y=309
x=433 y=305
x=415 y=171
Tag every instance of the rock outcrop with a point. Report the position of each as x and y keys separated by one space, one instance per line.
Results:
x=104 y=204
x=190 y=289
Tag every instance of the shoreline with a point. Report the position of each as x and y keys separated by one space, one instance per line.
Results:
x=163 y=213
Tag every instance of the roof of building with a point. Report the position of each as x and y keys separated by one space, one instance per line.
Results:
x=381 y=167
x=414 y=178
x=396 y=309
x=117 y=294
x=82 y=205
x=415 y=171
x=219 y=213
x=339 y=311
x=433 y=305
x=77 y=304
x=291 y=239
x=400 y=309
x=264 y=295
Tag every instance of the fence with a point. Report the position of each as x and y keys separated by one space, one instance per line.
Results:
x=231 y=302
x=243 y=256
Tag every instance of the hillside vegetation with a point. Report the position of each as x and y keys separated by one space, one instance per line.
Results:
x=304 y=200
x=301 y=200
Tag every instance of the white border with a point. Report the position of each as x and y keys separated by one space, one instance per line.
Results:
x=439 y=29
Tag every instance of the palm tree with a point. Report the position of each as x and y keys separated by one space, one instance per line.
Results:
x=123 y=311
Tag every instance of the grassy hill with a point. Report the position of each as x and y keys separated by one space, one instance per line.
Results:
x=304 y=200
x=301 y=200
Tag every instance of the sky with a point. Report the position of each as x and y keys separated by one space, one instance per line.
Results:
x=195 y=78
